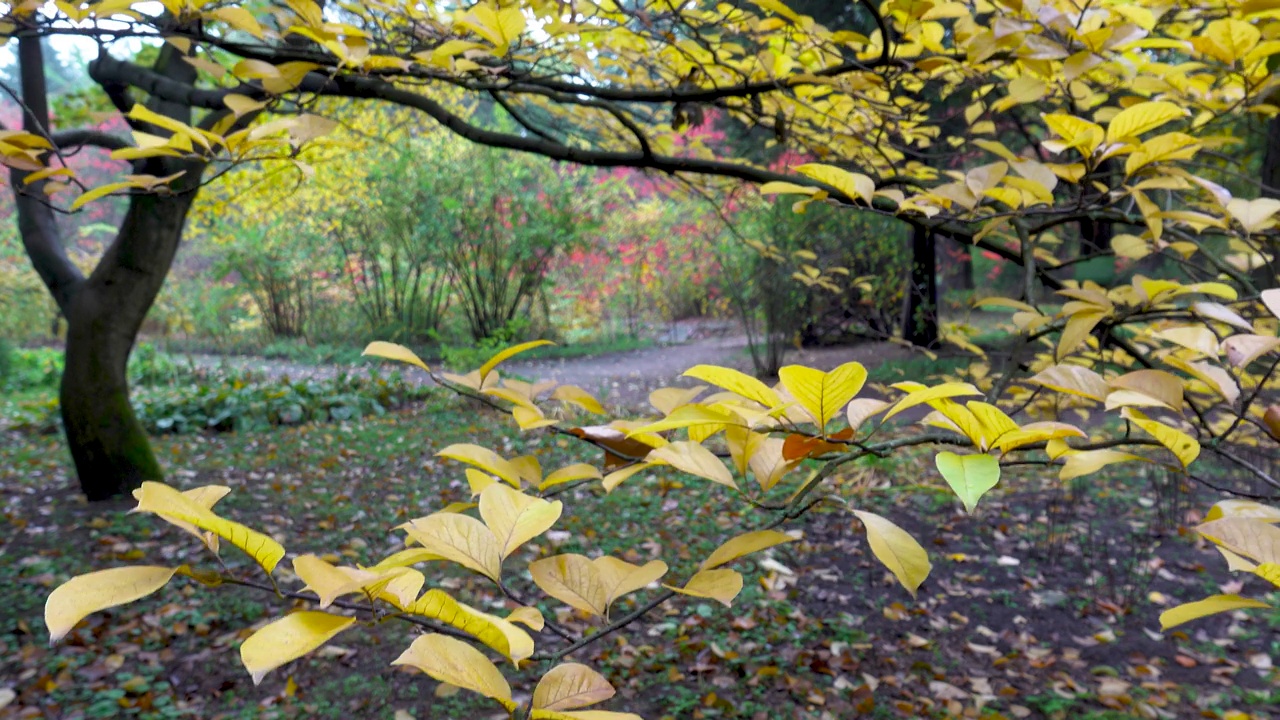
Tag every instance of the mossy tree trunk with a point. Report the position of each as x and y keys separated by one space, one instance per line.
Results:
x=105 y=309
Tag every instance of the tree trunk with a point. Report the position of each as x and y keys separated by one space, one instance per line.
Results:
x=1268 y=276
x=105 y=310
x=920 y=318
x=109 y=446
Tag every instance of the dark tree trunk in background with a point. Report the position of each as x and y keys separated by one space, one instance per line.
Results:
x=109 y=446
x=1269 y=276
x=1095 y=236
x=920 y=317
x=105 y=310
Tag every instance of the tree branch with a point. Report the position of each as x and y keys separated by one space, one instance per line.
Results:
x=90 y=137
x=37 y=224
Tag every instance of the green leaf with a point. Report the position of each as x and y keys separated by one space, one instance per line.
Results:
x=971 y=476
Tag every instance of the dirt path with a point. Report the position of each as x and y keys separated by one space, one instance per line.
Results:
x=623 y=378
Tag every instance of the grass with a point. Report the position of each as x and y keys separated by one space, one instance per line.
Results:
x=792 y=647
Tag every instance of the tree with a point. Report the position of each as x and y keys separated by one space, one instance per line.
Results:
x=859 y=103
x=1102 y=114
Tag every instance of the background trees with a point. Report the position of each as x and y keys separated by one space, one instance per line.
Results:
x=878 y=105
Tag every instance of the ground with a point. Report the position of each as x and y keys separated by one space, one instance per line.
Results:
x=1044 y=603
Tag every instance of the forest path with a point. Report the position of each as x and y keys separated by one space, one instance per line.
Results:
x=622 y=378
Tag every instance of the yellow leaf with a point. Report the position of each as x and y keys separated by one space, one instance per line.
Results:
x=854 y=185
x=1248 y=536
x=399 y=586
x=1025 y=89
x=478 y=481
x=570 y=686
x=769 y=463
x=615 y=478
x=578 y=396
x=1235 y=563
x=1243 y=508
x=1091 y=461
x=744 y=545
x=530 y=418
x=1162 y=387
x=84 y=595
x=1268 y=571
x=1230 y=39
x=531 y=617
x=693 y=459
x=722 y=585
x=736 y=382
x=1036 y=433
x=1182 y=445
x=158 y=498
x=1074 y=380
x=861 y=409
x=690 y=416
x=1075 y=132
x=573 y=580
x=515 y=518
x=1242 y=350
x=287 y=639
x=327 y=581
x=455 y=662
x=621 y=578
x=1077 y=329
x=918 y=394
x=667 y=400
x=483 y=458
x=1137 y=119
x=1198 y=339
x=778 y=187
x=1209 y=606
x=497 y=633
x=995 y=423
x=206 y=497
x=101 y=191
x=405 y=558
x=392 y=351
x=461 y=539
x=823 y=394
x=1253 y=215
x=240 y=19
x=510 y=352
x=571 y=473
x=896 y=550
x=582 y=715
x=1271 y=299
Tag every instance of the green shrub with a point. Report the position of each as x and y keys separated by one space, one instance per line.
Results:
x=219 y=400
x=6 y=362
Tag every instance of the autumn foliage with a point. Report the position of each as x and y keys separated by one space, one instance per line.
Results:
x=1049 y=134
